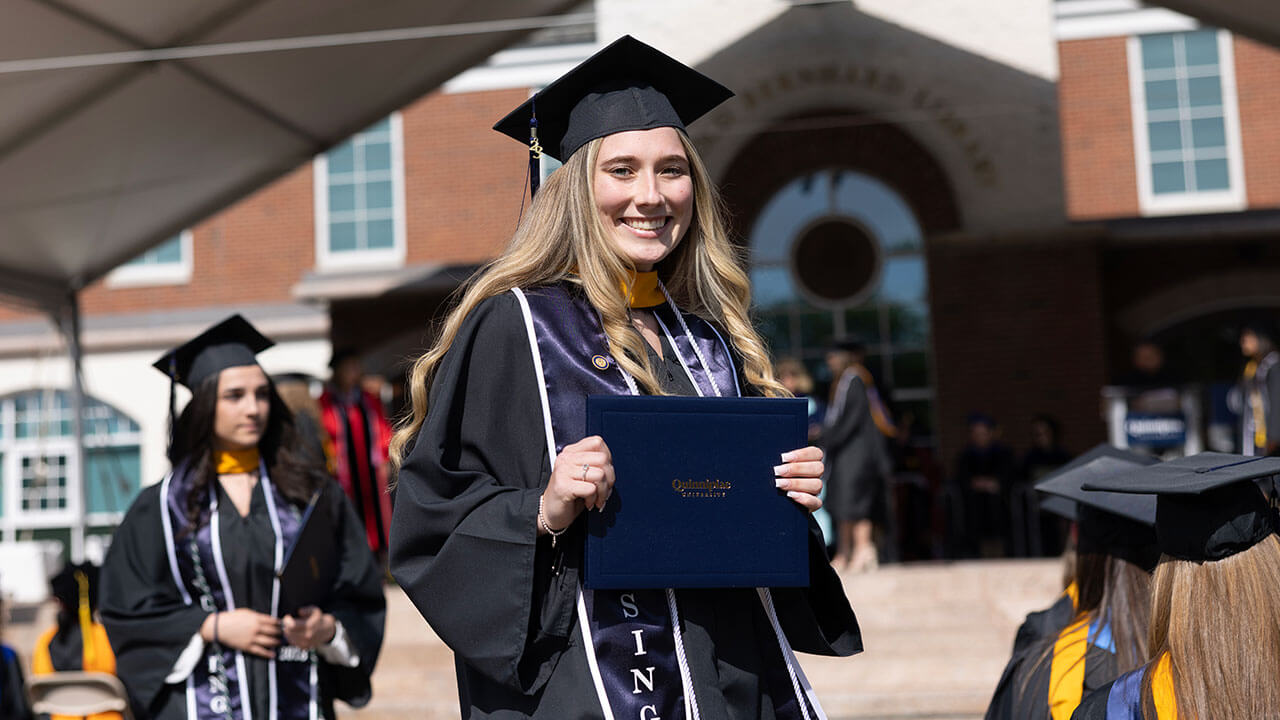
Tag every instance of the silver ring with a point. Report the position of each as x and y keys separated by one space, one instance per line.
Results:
x=585 y=468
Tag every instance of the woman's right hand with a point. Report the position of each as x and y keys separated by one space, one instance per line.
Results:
x=571 y=489
x=244 y=629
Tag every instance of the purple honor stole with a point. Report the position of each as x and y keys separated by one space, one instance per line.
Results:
x=633 y=639
x=292 y=675
x=1124 y=701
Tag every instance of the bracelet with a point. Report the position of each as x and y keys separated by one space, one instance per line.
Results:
x=542 y=523
x=215 y=627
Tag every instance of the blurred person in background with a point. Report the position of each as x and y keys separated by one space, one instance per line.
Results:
x=1042 y=533
x=191 y=598
x=855 y=433
x=77 y=641
x=295 y=391
x=795 y=377
x=359 y=433
x=14 y=703
x=983 y=475
x=1258 y=394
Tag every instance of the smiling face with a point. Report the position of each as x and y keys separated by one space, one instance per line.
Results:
x=644 y=193
x=244 y=403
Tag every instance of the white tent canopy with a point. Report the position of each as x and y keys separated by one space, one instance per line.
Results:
x=124 y=121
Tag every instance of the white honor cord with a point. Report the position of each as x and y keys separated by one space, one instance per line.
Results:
x=706 y=369
x=690 y=700
x=785 y=648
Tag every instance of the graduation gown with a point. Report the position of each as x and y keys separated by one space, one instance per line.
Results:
x=13 y=689
x=1035 y=628
x=150 y=624
x=465 y=548
x=856 y=456
x=61 y=649
x=1049 y=678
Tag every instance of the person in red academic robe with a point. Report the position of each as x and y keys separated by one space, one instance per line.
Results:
x=360 y=433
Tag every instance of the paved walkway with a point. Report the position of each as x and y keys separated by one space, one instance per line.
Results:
x=936 y=636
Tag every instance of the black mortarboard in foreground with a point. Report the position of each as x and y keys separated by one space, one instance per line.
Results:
x=626 y=86
x=1115 y=524
x=1061 y=496
x=231 y=343
x=1209 y=506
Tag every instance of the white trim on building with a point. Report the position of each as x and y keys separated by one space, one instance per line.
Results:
x=1150 y=202
x=1084 y=19
x=521 y=67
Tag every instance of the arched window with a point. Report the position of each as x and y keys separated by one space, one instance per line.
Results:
x=38 y=458
x=838 y=253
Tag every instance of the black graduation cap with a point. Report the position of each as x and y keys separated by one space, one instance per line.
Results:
x=231 y=343
x=1208 y=506
x=1116 y=524
x=66 y=586
x=626 y=86
x=1062 y=491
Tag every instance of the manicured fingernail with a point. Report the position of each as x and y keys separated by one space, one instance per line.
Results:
x=788 y=456
x=779 y=469
x=781 y=482
x=794 y=495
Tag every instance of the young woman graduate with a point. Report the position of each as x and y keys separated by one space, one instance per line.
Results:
x=620 y=280
x=77 y=641
x=1047 y=678
x=193 y=618
x=1215 y=613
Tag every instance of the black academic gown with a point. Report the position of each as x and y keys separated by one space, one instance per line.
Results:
x=13 y=690
x=149 y=626
x=857 y=459
x=1023 y=692
x=465 y=547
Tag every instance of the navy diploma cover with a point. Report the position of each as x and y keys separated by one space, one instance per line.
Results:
x=695 y=504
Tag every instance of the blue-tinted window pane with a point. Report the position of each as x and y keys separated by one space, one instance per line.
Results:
x=342 y=159
x=1204 y=91
x=1168 y=178
x=382 y=128
x=816 y=329
x=1162 y=94
x=909 y=324
x=377 y=195
x=771 y=288
x=1165 y=135
x=775 y=328
x=170 y=251
x=381 y=234
x=342 y=198
x=111 y=478
x=342 y=236
x=1208 y=133
x=1201 y=47
x=377 y=157
x=1157 y=52
x=902 y=279
x=1212 y=175
x=864 y=323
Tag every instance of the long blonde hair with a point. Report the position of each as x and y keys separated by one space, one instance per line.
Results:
x=563 y=232
x=1220 y=623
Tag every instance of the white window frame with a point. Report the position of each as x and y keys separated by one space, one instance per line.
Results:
x=392 y=257
x=169 y=273
x=1231 y=199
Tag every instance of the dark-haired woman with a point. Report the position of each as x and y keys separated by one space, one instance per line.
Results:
x=190 y=595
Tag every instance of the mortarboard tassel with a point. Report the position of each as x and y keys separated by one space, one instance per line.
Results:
x=535 y=154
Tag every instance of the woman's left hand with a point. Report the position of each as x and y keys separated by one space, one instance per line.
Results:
x=800 y=474
x=312 y=628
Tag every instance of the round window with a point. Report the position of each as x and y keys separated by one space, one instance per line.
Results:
x=835 y=262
